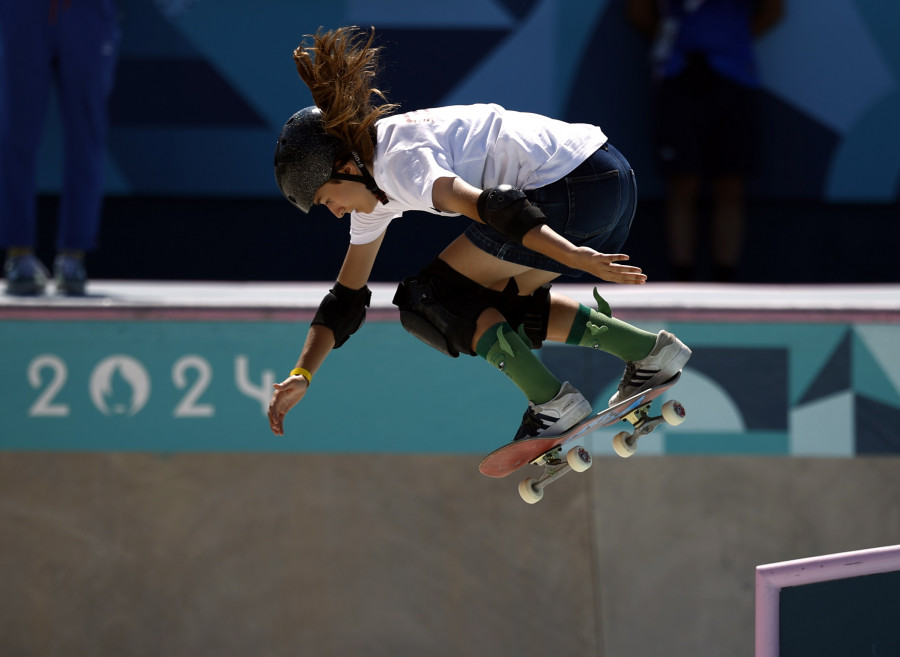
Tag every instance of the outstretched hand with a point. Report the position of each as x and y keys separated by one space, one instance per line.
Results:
x=608 y=268
x=605 y=266
x=286 y=395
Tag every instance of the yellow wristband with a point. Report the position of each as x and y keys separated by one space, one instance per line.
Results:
x=302 y=372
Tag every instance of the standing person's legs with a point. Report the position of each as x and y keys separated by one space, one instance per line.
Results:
x=25 y=79
x=88 y=53
x=680 y=124
x=734 y=155
x=682 y=192
x=727 y=226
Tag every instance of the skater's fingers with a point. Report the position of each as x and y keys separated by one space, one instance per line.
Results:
x=624 y=274
x=276 y=423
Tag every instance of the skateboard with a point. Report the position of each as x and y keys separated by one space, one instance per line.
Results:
x=559 y=455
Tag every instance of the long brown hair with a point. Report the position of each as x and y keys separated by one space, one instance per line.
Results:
x=340 y=69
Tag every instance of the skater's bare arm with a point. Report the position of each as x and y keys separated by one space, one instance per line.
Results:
x=320 y=339
x=606 y=266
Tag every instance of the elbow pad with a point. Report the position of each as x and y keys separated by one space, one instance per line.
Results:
x=506 y=210
x=343 y=311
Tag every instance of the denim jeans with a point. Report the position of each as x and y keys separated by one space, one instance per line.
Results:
x=592 y=206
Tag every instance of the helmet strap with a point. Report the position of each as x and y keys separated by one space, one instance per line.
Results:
x=366 y=178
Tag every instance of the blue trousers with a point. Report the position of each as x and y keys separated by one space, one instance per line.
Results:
x=72 y=44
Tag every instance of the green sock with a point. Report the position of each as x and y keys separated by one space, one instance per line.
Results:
x=598 y=331
x=502 y=347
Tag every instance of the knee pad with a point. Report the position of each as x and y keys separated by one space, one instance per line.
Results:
x=440 y=306
x=527 y=314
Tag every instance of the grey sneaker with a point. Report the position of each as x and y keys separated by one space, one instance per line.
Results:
x=556 y=416
x=667 y=358
x=25 y=275
x=70 y=275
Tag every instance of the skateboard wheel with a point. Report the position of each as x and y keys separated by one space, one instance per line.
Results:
x=579 y=459
x=623 y=446
x=528 y=492
x=673 y=412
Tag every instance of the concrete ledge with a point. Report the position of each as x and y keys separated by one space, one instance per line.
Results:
x=297 y=301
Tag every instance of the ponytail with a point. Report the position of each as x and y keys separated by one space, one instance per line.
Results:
x=340 y=69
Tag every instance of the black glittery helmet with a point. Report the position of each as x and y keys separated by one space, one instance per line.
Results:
x=304 y=157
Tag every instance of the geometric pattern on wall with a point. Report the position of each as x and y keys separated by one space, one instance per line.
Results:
x=859 y=382
x=185 y=91
x=747 y=399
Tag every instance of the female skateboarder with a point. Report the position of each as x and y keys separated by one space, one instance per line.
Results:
x=546 y=198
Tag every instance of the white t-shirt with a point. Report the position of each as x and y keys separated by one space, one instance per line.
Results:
x=484 y=145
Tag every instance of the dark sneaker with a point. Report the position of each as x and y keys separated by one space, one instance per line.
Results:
x=556 y=416
x=70 y=275
x=669 y=355
x=25 y=275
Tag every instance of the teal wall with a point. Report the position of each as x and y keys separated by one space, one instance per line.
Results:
x=780 y=389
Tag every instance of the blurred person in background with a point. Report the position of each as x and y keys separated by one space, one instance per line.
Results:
x=706 y=117
x=71 y=45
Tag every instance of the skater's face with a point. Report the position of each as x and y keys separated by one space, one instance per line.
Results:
x=343 y=196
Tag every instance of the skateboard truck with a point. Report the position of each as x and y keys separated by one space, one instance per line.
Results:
x=625 y=442
x=578 y=459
